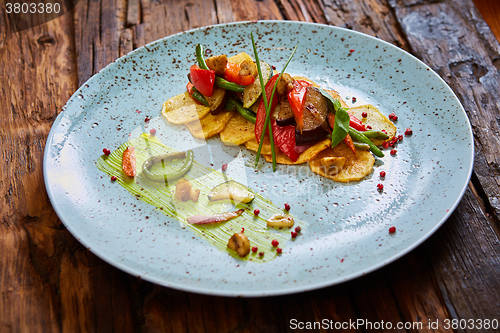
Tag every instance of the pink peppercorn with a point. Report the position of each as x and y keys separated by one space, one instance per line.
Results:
x=294 y=234
x=364 y=115
x=408 y=132
x=354 y=101
x=279 y=250
x=261 y=254
x=400 y=137
x=385 y=145
x=254 y=249
x=298 y=229
x=106 y=151
x=392 y=229
x=224 y=167
x=152 y=131
x=275 y=243
x=382 y=174
x=368 y=127
x=256 y=212
x=287 y=207
x=380 y=187
x=393 y=152
x=113 y=178
x=351 y=50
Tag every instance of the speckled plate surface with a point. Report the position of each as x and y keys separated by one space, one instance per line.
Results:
x=347 y=233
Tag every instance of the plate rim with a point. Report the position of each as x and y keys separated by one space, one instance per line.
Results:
x=248 y=293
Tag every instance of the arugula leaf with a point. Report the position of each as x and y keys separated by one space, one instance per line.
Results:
x=334 y=104
x=342 y=119
x=341 y=126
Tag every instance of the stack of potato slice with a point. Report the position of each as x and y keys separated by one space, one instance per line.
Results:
x=339 y=164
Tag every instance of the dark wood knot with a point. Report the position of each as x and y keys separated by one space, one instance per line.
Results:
x=46 y=39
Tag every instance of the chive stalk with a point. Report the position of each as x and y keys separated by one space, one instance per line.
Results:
x=267 y=103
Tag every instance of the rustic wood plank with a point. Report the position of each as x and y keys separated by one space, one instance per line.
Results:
x=453 y=39
x=490 y=10
x=87 y=294
x=465 y=256
x=39 y=75
x=372 y=17
x=299 y=10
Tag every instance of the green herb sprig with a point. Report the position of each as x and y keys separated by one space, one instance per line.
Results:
x=267 y=103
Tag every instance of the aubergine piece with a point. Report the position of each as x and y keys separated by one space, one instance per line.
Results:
x=283 y=114
x=315 y=118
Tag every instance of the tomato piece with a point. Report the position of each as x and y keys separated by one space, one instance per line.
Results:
x=296 y=98
x=232 y=74
x=349 y=143
x=203 y=79
x=128 y=162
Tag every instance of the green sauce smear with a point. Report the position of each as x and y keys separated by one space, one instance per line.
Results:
x=161 y=196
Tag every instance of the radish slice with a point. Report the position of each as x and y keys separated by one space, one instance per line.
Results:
x=223 y=217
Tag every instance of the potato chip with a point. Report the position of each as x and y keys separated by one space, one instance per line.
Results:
x=183 y=109
x=356 y=166
x=336 y=95
x=298 y=77
x=209 y=125
x=216 y=99
x=253 y=145
x=237 y=131
x=375 y=119
x=327 y=166
x=307 y=155
x=239 y=58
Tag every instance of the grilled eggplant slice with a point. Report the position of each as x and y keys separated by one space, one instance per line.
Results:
x=283 y=114
x=315 y=115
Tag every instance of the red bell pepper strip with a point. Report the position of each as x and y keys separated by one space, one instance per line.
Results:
x=189 y=88
x=203 y=79
x=296 y=98
x=349 y=143
x=284 y=139
x=356 y=123
x=232 y=74
x=128 y=161
x=284 y=136
x=260 y=118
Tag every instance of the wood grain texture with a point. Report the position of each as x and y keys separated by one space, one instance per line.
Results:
x=453 y=39
x=490 y=10
x=49 y=282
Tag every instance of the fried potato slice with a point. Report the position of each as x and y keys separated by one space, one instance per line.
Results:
x=182 y=109
x=307 y=155
x=375 y=119
x=239 y=58
x=237 y=131
x=356 y=166
x=327 y=166
x=336 y=95
x=209 y=125
x=253 y=145
x=216 y=99
x=298 y=77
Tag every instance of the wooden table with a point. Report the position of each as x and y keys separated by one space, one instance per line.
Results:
x=49 y=282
